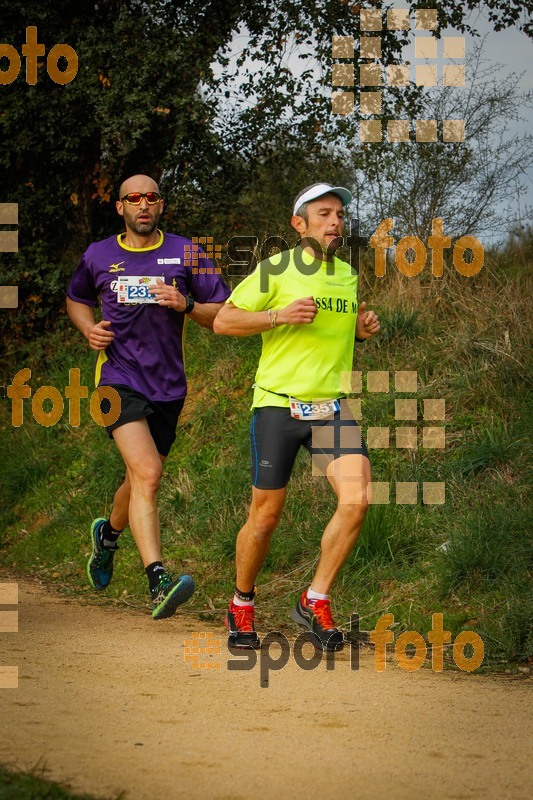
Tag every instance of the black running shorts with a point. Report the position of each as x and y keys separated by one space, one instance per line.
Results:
x=162 y=417
x=276 y=437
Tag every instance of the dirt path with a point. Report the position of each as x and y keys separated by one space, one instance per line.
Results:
x=106 y=703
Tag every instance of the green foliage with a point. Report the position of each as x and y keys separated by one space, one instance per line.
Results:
x=488 y=446
x=32 y=786
x=147 y=98
x=65 y=149
x=399 y=323
x=489 y=545
x=386 y=537
x=512 y=637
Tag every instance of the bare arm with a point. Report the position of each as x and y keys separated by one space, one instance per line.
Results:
x=204 y=314
x=234 y=321
x=97 y=334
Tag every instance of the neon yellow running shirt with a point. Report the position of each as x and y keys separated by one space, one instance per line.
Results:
x=304 y=361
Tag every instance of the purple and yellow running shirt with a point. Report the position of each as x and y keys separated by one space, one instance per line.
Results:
x=147 y=351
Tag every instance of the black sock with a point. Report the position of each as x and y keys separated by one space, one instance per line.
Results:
x=247 y=597
x=108 y=535
x=154 y=572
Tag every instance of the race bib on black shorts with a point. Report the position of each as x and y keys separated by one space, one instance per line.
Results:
x=311 y=411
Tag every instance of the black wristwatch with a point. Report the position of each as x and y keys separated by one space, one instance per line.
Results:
x=190 y=305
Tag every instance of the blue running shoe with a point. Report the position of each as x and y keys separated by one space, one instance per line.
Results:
x=169 y=594
x=100 y=563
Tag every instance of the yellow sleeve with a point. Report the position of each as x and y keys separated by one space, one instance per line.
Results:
x=258 y=290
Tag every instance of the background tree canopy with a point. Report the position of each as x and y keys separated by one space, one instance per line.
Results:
x=147 y=98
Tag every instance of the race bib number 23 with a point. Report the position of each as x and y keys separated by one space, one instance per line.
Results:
x=134 y=288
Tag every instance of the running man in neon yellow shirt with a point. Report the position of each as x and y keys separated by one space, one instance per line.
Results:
x=304 y=304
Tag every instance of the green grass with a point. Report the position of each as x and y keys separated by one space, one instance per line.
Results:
x=397 y=324
x=469 y=558
x=489 y=544
x=32 y=786
x=489 y=446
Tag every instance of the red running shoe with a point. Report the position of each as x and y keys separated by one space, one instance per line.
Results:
x=316 y=618
x=240 y=624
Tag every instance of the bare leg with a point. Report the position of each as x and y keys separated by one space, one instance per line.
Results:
x=349 y=477
x=253 y=540
x=119 y=516
x=144 y=470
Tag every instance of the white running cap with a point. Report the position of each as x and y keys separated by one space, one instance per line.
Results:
x=317 y=190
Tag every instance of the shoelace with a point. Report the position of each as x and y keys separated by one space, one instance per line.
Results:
x=105 y=556
x=244 y=618
x=165 y=581
x=322 y=610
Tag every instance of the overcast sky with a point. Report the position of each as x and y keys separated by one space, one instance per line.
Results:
x=510 y=48
x=514 y=50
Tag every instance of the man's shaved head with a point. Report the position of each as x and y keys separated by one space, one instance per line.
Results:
x=137 y=183
x=140 y=219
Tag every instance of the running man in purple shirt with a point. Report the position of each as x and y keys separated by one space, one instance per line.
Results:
x=146 y=294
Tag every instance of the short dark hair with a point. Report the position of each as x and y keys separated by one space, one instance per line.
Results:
x=302 y=211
